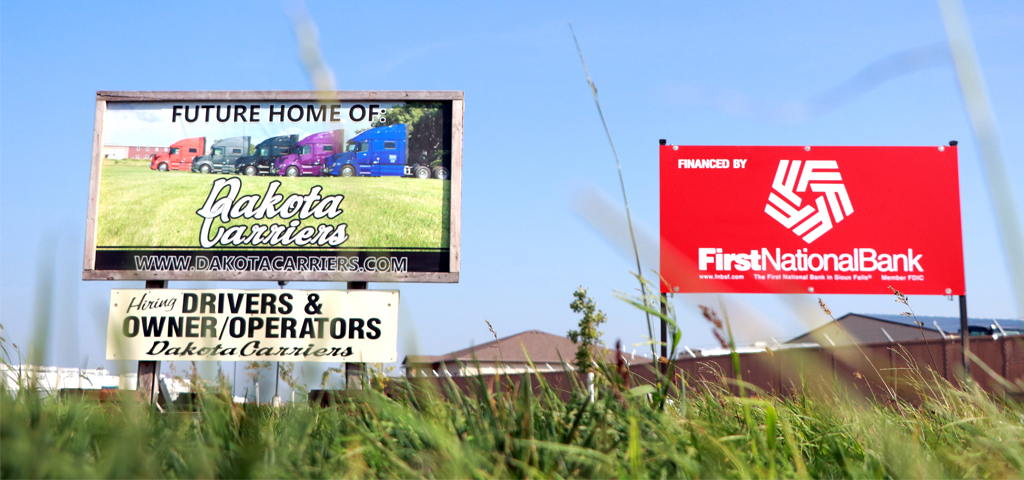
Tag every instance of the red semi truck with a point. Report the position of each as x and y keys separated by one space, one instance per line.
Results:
x=180 y=155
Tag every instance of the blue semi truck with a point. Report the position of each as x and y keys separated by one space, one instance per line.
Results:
x=380 y=152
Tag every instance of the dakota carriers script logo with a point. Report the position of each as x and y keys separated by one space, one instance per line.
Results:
x=811 y=221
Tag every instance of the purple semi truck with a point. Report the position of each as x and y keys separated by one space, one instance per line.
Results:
x=309 y=154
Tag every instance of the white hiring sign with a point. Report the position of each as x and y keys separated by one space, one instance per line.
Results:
x=253 y=325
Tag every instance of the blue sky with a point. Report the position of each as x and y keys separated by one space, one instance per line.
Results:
x=541 y=202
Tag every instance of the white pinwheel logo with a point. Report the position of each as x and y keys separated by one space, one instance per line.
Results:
x=811 y=221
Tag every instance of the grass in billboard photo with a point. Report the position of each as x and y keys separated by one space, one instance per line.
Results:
x=143 y=207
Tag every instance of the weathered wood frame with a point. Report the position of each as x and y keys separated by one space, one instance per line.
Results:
x=104 y=97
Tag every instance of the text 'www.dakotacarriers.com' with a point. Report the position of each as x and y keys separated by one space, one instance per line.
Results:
x=263 y=263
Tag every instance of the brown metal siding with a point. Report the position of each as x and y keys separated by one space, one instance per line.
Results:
x=902 y=367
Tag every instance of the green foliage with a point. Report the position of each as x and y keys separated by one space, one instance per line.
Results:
x=253 y=370
x=326 y=376
x=424 y=124
x=497 y=427
x=287 y=374
x=500 y=430
x=588 y=336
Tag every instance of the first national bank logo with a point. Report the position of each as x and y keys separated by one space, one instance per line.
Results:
x=811 y=221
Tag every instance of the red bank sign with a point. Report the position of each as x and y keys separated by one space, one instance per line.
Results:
x=811 y=219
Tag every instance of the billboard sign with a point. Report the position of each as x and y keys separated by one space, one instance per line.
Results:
x=254 y=325
x=316 y=186
x=811 y=219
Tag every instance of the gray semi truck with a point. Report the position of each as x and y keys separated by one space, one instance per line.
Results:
x=222 y=156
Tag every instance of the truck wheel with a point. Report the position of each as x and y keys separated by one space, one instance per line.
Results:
x=422 y=172
x=348 y=171
x=292 y=171
x=204 y=169
x=250 y=170
x=162 y=167
x=441 y=173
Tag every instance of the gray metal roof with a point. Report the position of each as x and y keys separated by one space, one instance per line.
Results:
x=947 y=324
x=542 y=347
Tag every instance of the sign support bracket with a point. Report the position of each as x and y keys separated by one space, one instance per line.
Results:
x=149 y=371
x=353 y=370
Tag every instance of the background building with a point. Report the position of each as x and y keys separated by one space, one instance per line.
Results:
x=115 y=151
x=132 y=151
x=508 y=355
x=872 y=328
x=50 y=380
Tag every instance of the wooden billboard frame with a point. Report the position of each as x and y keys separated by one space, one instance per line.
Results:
x=457 y=99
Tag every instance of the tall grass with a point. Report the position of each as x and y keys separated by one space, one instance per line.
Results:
x=501 y=429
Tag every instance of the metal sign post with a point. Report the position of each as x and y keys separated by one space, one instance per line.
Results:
x=965 y=332
x=664 y=333
x=965 y=336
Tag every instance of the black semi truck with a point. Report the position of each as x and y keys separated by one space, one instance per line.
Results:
x=262 y=159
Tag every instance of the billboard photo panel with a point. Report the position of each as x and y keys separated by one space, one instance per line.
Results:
x=810 y=220
x=343 y=186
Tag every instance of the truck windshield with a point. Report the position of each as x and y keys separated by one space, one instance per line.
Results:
x=351 y=147
x=175 y=151
x=218 y=151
